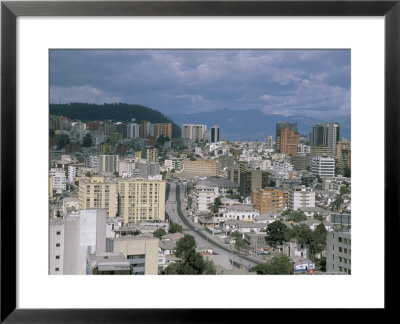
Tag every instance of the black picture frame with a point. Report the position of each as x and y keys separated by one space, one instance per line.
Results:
x=11 y=10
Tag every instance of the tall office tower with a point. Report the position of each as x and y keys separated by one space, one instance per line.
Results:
x=268 y=142
x=289 y=142
x=132 y=130
x=279 y=128
x=215 y=134
x=141 y=200
x=164 y=129
x=251 y=180
x=235 y=171
x=323 y=166
x=343 y=154
x=301 y=196
x=96 y=193
x=327 y=135
x=144 y=128
x=108 y=163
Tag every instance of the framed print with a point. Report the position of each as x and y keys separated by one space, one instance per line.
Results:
x=226 y=63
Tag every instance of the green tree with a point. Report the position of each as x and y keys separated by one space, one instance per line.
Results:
x=214 y=207
x=189 y=202
x=185 y=245
x=347 y=172
x=297 y=216
x=337 y=203
x=279 y=265
x=174 y=228
x=159 y=233
x=276 y=233
x=87 y=140
x=319 y=217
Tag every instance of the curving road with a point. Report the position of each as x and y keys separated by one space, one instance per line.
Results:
x=174 y=210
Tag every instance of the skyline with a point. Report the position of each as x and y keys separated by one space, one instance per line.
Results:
x=309 y=83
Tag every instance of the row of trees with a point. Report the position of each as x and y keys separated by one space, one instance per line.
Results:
x=279 y=265
x=173 y=228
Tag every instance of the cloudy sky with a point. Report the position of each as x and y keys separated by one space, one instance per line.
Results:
x=313 y=83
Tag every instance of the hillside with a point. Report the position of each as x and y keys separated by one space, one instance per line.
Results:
x=116 y=112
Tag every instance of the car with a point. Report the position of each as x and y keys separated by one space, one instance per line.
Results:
x=196 y=229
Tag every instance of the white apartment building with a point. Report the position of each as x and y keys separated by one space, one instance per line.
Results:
x=300 y=197
x=304 y=149
x=323 y=166
x=93 y=161
x=238 y=212
x=173 y=164
x=282 y=168
x=59 y=179
x=268 y=142
x=132 y=130
x=56 y=247
x=203 y=196
x=127 y=165
x=71 y=173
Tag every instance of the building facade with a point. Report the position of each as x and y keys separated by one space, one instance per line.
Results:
x=338 y=252
x=268 y=200
x=323 y=166
x=300 y=197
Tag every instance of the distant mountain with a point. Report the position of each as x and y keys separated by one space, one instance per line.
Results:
x=253 y=124
x=116 y=112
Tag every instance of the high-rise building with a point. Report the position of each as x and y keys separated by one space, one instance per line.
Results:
x=338 y=252
x=251 y=180
x=193 y=131
x=268 y=142
x=144 y=128
x=96 y=193
x=279 y=128
x=163 y=129
x=56 y=247
x=201 y=168
x=59 y=179
x=268 y=200
x=132 y=130
x=215 y=134
x=301 y=196
x=289 y=142
x=150 y=154
x=343 y=154
x=326 y=135
x=323 y=166
x=108 y=163
x=141 y=200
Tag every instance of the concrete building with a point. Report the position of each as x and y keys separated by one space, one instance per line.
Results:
x=141 y=200
x=108 y=264
x=201 y=168
x=141 y=252
x=144 y=129
x=132 y=130
x=268 y=142
x=193 y=131
x=108 y=163
x=338 y=252
x=173 y=164
x=343 y=154
x=323 y=166
x=56 y=247
x=279 y=128
x=97 y=193
x=164 y=129
x=251 y=180
x=282 y=168
x=59 y=179
x=300 y=197
x=235 y=171
x=150 y=154
x=326 y=135
x=268 y=200
x=203 y=196
x=289 y=142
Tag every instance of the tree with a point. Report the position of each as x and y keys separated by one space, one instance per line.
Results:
x=297 y=216
x=174 y=227
x=279 y=265
x=276 y=233
x=239 y=242
x=185 y=245
x=189 y=202
x=116 y=174
x=87 y=140
x=337 y=203
x=62 y=141
x=319 y=217
x=214 y=207
x=159 y=233
x=347 y=172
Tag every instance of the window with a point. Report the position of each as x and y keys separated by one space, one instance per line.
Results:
x=57 y=257
x=57 y=269
x=340 y=269
x=58 y=244
x=340 y=249
x=340 y=240
x=58 y=233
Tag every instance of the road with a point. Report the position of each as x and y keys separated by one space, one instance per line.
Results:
x=173 y=208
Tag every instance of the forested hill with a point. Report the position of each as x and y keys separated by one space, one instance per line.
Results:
x=116 y=112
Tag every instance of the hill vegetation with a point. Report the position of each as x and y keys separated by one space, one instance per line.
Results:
x=115 y=112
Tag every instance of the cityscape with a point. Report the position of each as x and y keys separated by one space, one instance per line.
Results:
x=137 y=189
